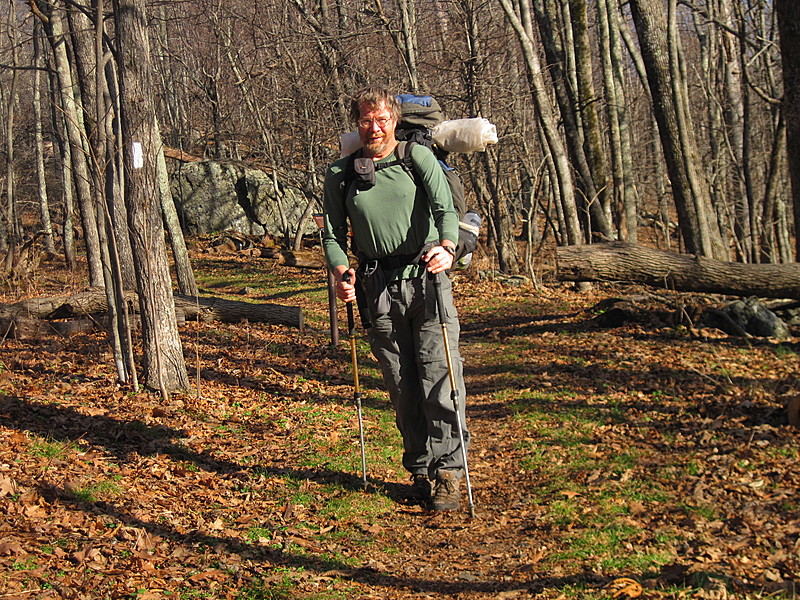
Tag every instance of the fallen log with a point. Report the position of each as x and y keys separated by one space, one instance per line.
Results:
x=619 y=261
x=92 y=303
x=234 y=311
x=302 y=259
x=23 y=328
x=87 y=302
x=180 y=155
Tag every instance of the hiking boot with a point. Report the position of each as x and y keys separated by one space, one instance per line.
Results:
x=420 y=489
x=446 y=492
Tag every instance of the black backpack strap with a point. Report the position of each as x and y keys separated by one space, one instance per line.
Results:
x=349 y=171
x=404 y=153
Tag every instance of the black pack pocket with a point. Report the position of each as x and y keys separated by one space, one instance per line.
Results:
x=365 y=173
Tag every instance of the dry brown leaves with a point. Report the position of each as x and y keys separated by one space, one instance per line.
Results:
x=108 y=494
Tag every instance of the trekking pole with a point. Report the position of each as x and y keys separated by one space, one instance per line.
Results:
x=351 y=325
x=437 y=285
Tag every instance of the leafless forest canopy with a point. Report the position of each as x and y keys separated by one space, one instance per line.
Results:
x=650 y=121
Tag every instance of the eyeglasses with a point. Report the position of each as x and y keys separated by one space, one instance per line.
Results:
x=381 y=122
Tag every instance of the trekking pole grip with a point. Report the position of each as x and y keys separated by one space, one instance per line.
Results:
x=351 y=320
x=437 y=286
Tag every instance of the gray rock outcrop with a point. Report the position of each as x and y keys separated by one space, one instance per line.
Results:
x=213 y=196
x=749 y=316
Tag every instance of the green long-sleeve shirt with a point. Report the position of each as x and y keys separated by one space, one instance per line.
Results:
x=394 y=217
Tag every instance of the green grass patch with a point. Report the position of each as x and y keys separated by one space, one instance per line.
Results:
x=280 y=590
x=51 y=449
x=785 y=352
x=24 y=564
x=341 y=451
x=706 y=512
x=613 y=547
x=95 y=492
x=259 y=534
x=350 y=504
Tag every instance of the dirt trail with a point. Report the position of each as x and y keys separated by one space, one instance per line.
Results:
x=597 y=454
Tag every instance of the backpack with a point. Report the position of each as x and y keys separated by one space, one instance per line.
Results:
x=420 y=114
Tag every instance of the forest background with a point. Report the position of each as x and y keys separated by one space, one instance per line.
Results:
x=659 y=120
x=655 y=121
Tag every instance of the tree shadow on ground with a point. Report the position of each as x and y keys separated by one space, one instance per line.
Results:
x=123 y=438
x=266 y=559
x=585 y=322
x=312 y=360
x=520 y=326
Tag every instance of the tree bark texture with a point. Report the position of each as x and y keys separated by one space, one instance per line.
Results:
x=692 y=201
x=587 y=108
x=78 y=147
x=789 y=26
x=624 y=192
x=618 y=261
x=11 y=221
x=546 y=115
x=180 y=253
x=564 y=93
x=41 y=188
x=164 y=365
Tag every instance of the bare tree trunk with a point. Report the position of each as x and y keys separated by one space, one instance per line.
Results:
x=12 y=224
x=788 y=12
x=165 y=368
x=507 y=255
x=587 y=107
x=561 y=67
x=619 y=142
x=656 y=31
x=484 y=176
x=769 y=238
x=88 y=58
x=404 y=38
x=115 y=188
x=718 y=169
x=784 y=240
x=64 y=161
x=258 y=115
x=408 y=13
x=80 y=170
x=180 y=253
x=545 y=113
x=739 y=120
x=329 y=50
x=119 y=244
x=44 y=207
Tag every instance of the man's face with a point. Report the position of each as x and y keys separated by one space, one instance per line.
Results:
x=376 y=130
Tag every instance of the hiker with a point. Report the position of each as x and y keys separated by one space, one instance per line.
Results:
x=404 y=235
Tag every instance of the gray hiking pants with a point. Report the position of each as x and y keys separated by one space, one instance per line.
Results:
x=409 y=345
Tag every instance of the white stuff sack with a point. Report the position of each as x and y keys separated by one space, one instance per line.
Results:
x=465 y=135
x=349 y=142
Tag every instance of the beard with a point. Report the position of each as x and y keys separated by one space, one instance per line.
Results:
x=378 y=147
